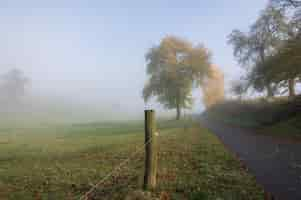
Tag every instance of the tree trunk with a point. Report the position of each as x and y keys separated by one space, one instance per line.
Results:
x=270 y=92
x=291 y=87
x=178 y=112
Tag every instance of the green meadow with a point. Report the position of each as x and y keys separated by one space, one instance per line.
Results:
x=65 y=161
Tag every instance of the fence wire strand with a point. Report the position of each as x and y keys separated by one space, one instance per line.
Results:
x=115 y=169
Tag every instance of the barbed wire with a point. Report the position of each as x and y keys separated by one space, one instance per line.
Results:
x=116 y=169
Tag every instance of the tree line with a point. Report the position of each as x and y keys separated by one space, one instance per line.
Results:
x=270 y=51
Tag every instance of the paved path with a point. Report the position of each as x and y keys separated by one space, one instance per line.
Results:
x=275 y=164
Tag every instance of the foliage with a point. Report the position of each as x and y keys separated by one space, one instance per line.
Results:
x=174 y=67
x=287 y=3
x=284 y=65
x=252 y=48
x=280 y=118
x=262 y=38
x=213 y=87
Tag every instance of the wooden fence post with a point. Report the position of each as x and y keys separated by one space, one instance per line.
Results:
x=268 y=196
x=151 y=151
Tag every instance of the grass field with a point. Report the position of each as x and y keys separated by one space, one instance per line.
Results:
x=63 y=162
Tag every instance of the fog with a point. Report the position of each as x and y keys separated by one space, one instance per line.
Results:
x=85 y=60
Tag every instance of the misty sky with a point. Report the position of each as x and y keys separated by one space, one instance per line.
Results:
x=94 y=49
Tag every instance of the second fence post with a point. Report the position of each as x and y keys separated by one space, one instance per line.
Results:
x=151 y=151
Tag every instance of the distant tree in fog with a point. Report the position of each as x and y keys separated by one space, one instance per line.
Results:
x=12 y=87
x=213 y=87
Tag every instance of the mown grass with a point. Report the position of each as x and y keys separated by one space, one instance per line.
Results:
x=63 y=162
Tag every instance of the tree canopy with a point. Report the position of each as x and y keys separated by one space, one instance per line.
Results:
x=174 y=67
x=213 y=87
x=270 y=50
x=285 y=66
x=263 y=40
x=287 y=3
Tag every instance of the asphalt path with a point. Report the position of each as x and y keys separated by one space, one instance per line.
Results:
x=275 y=163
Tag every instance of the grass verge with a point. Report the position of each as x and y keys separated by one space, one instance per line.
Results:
x=280 y=118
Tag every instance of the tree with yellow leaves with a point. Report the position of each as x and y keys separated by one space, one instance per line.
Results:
x=174 y=67
x=213 y=87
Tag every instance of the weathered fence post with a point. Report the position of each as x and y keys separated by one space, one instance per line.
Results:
x=151 y=150
x=268 y=196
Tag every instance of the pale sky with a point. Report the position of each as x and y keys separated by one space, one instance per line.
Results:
x=94 y=49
